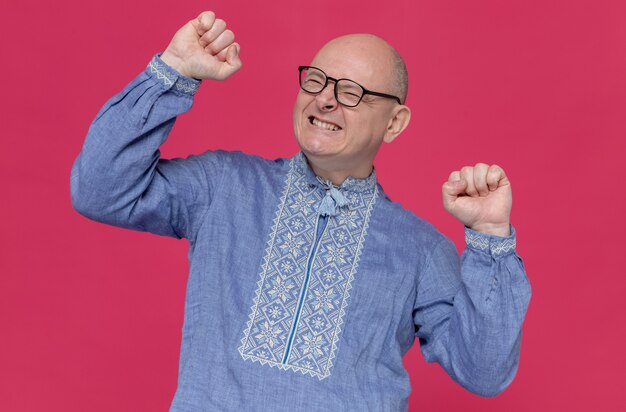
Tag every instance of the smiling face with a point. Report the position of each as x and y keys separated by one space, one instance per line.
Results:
x=343 y=141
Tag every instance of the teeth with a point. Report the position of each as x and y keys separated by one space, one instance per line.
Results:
x=324 y=125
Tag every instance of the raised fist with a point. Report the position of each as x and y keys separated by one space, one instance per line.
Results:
x=480 y=197
x=204 y=49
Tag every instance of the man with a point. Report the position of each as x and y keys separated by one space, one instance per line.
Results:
x=307 y=283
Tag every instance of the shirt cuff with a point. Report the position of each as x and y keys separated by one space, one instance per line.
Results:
x=494 y=245
x=170 y=78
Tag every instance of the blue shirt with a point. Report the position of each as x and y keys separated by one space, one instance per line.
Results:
x=301 y=295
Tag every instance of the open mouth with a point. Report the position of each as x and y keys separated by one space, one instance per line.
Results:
x=324 y=125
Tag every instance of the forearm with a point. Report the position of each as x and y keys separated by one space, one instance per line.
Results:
x=121 y=150
x=478 y=340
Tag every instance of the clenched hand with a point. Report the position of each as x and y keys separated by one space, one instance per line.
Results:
x=480 y=197
x=204 y=49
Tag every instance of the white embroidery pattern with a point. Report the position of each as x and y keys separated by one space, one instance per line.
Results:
x=180 y=83
x=310 y=345
x=482 y=242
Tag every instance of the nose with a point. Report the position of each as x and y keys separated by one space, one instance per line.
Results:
x=326 y=98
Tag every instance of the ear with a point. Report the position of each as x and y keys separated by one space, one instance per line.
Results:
x=399 y=120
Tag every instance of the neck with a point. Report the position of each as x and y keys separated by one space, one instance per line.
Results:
x=338 y=175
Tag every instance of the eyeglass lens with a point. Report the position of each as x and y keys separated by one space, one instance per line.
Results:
x=347 y=92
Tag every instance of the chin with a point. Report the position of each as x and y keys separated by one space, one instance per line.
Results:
x=317 y=148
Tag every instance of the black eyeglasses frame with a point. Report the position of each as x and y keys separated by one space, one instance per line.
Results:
x=365 y=91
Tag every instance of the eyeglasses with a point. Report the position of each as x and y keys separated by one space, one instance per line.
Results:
x=347 y=92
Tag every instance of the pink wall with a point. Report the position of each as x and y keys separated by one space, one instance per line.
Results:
x=90 y=315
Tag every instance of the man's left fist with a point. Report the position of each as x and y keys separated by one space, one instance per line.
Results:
x=480 y=198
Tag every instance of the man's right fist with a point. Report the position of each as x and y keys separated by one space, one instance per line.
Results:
x=203 y=49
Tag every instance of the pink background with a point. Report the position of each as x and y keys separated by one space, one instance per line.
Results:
x=90 y=315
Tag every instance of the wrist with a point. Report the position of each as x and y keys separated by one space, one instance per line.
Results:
x=173 y=61
x=169 y=78
x=500 y=229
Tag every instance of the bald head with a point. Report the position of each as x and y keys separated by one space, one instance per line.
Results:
x=376 y=53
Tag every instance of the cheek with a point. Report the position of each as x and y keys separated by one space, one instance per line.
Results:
x=378 y=125
x=298 y=107
x=367 y=131
x=303 y=99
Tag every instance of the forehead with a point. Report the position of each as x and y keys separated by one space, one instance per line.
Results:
x=365 y=61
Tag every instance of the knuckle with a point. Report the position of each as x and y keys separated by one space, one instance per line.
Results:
x=207 y=17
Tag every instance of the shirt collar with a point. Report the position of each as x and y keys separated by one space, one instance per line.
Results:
x=351 y=184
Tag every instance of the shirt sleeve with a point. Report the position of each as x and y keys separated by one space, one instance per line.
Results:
x=468 y=312
x=119 y=178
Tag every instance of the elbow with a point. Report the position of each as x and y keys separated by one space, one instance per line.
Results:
x=488 y=391
x=83 y=199
x=78 y=194
x=100 y=203
x=98 y=196
x=492 y=381
x=80 y=202
x=92 y=207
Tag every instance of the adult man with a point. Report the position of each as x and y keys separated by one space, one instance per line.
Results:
x=307 y=284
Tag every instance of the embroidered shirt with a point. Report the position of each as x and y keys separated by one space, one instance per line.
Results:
x=301 y=295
